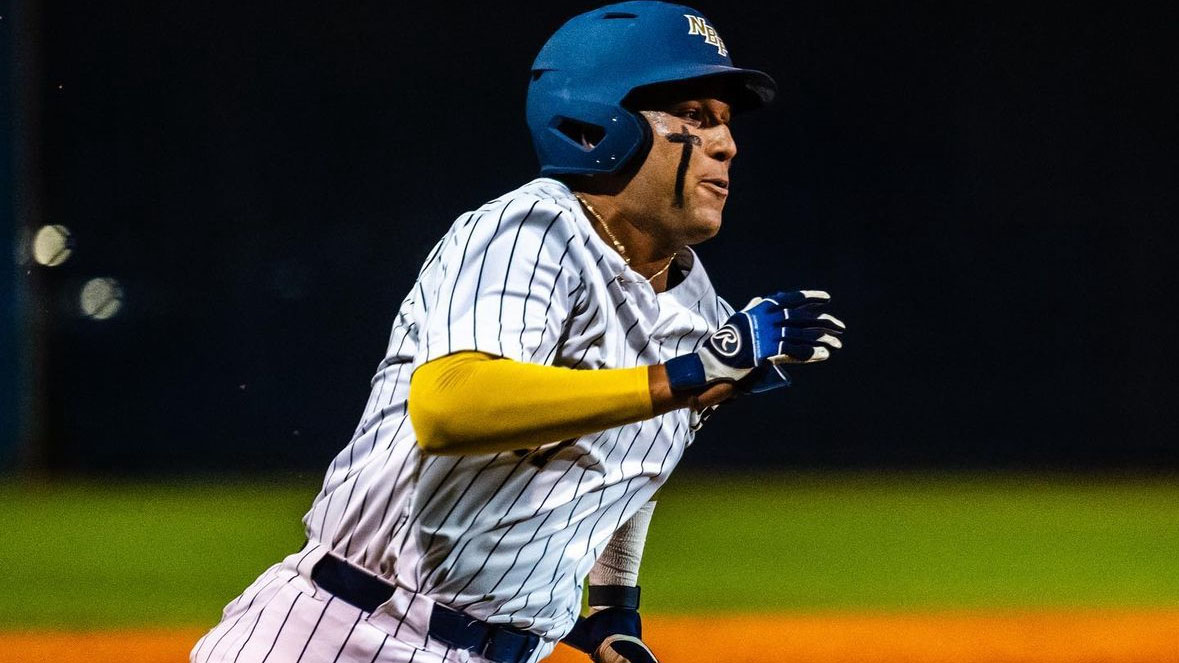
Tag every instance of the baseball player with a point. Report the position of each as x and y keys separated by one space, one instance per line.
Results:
x=543 y=378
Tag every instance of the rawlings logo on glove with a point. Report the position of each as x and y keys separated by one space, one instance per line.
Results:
x=726 y=341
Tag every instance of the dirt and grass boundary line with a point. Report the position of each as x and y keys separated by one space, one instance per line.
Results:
x=1076 y=636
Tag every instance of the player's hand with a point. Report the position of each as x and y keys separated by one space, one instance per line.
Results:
x=613 y=635
x=784 y=328
x=767 y=377
x=623 y=649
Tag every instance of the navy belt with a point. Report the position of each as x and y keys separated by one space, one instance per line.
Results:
x=497 y=643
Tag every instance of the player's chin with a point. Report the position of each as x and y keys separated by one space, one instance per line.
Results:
x=705 y=221
x=703 y=227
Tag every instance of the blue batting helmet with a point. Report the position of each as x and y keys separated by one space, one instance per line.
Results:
x=587 y=69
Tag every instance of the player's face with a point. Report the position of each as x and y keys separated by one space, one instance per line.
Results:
x=682 y=186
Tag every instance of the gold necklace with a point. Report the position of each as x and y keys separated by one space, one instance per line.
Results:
x=617 y=244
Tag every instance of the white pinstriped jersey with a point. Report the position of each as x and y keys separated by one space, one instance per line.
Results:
x=508 y=537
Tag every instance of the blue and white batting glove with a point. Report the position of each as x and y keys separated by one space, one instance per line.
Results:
x=754 y=343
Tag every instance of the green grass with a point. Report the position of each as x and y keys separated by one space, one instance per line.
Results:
x=912 y=543
x=91 y=555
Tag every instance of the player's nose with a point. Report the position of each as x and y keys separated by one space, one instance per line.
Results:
x=721 y=145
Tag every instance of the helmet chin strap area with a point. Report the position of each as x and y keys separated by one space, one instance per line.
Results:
x=688 y=140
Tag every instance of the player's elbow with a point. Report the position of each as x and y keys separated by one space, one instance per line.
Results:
x=430 y=426
x=434 y=410
x=429 y=420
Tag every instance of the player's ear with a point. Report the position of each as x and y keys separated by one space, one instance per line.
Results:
x=583 y=133
x=590 y=139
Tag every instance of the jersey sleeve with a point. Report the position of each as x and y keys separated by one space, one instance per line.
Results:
x=504 y=285
x=723 y=310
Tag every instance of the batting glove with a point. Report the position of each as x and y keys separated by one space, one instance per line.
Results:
x=623 y=649
x=612 y=635
x=784 y=328
x=766 y=377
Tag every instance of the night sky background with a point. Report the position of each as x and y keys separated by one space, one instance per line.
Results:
x=987 y=193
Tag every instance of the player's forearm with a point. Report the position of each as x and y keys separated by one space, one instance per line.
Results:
x=614 y=593
x=471 y=402
x=618 y=565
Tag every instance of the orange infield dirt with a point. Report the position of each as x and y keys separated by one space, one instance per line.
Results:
x=1062 y=637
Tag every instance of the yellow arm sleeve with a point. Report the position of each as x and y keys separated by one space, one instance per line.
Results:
x=470 y=402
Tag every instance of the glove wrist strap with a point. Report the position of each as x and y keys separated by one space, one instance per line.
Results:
x=686 y=373
x=614 y=596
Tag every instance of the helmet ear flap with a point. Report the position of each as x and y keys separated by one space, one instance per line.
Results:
x=580 y=136
x=644 y=148
x=610 y=183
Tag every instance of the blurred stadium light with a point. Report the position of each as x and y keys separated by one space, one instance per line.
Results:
x=101 y=298
x=52 y=245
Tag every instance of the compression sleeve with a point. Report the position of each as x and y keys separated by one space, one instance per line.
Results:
x=471 y=402
x=618 y=565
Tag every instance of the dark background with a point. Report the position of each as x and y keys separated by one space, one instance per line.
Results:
x=987 y=193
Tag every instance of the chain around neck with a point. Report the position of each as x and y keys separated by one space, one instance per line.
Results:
x=617 y=244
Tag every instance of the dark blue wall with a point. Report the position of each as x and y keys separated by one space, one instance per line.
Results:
x=984 y=192
x=8 y=295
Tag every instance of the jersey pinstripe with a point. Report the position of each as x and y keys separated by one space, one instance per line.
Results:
x=508 y=537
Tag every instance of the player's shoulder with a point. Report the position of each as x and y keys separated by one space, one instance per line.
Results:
x=542 y=203
x=547 y=192
x=542 y=198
